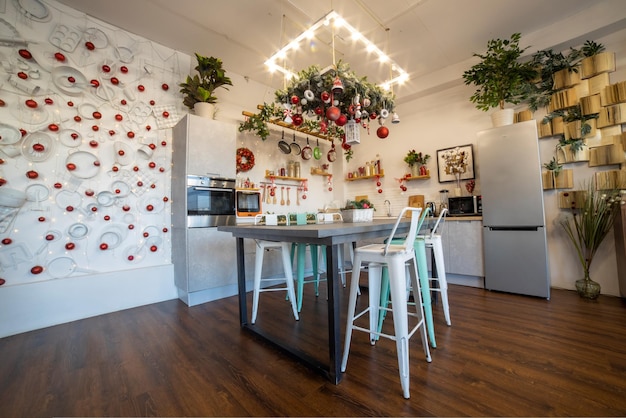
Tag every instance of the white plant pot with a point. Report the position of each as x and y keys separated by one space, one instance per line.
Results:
x=502 y=117
x=203 y=109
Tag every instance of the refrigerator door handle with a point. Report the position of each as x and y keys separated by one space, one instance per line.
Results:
x=513 y=228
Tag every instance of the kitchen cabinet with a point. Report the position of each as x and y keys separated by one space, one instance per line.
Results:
x=463 y=247
x=204 y=259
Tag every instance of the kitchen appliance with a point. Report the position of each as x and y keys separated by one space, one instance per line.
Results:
x=210 y=201
x=443 y=200
x=465 y=206
x=514 y=231
x=248 y=203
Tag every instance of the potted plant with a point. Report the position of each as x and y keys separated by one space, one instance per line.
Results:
x=416 y=160
x=199 y=89
x=500 y=77
x=358 y=211
x=589 y=224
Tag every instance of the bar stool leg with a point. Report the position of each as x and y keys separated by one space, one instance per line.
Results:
x=397 y=285
x=354 y=287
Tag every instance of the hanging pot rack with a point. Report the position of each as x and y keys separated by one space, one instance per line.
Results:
x=283 y=124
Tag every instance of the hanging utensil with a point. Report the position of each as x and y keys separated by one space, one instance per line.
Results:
x=282 y=198
x=307 y=152
x=317 y=153
x=283 y=145
x=298 y=196
x=332 y=154
x=295 y=148
x=288 y=200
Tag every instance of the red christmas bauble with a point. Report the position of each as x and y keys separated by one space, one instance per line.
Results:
x=382 y=132
x=325 y=96
x=333 y=113
x=297 y=119
x=319 y=111
x=341 y=120
x=295 y=99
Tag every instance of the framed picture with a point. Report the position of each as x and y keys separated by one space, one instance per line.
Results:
x=451 y=161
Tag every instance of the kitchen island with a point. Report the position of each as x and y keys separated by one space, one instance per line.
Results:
x=332 y=235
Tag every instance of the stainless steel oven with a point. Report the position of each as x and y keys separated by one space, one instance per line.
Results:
x=210 y=201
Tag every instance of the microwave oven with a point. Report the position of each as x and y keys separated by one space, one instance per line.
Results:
x=248 y=203
x=465 y=206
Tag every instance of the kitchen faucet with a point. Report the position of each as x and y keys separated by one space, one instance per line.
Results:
x=388 y=203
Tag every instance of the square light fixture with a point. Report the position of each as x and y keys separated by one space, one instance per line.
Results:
x=341 y=30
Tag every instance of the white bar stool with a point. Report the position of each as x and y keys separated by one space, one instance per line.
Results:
x=433 y=241
x=395 y=257
x=284 y=248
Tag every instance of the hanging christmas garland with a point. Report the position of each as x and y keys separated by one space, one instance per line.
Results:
x=245 y=160
x=323 y=102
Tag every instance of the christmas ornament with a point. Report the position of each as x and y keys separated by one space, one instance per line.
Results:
x=297 y=119
x=333 y=113
x=395 y=118
x=341 y=120
x=384 y=113
x=337 y=86
x=308 y=94
x=382 y=132
x=325 y=96
x=295 y=99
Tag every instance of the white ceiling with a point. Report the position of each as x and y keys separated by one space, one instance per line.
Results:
x=433 y=40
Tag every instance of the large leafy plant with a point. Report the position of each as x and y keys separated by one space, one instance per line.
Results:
x=500 y=76
x=201 y=86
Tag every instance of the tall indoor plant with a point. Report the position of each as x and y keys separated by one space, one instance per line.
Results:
x=591 y=221
x=500 y=77
x=200 y=87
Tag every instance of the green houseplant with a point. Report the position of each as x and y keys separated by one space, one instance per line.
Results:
x=500 y=76
x=590 y=222
x=201 y=87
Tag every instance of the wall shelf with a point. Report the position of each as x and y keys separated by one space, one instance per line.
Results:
x=374 y=176
x=270 y=177
x=409 y=177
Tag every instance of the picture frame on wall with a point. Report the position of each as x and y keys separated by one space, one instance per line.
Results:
x=455 y=159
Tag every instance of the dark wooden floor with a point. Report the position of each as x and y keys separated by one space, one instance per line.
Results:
x=505 y=355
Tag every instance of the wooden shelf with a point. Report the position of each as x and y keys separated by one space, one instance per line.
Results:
x=409 y=178
x=322 y=173
x=375 y=176
x=269 y=177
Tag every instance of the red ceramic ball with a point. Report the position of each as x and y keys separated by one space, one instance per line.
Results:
x=341 y=120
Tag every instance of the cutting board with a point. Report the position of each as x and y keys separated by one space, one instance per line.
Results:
x=416 y=201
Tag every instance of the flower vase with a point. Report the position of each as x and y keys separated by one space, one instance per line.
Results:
x=457 y=189
x=587 y=288
x=415 y=171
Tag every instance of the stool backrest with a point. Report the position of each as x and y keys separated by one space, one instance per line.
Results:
x=410 y=237
x=440 y=220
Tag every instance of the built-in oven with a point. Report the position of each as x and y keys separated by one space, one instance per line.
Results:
x=210 y=201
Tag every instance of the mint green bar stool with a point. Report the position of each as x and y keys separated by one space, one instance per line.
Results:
x=422 y=271
x=299 y=249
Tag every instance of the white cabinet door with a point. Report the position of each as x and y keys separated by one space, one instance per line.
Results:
x=463 y=247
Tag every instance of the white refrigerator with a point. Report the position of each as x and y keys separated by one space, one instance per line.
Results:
x=514 y=231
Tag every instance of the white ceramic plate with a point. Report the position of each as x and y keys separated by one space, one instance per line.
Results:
x=96 y=37
x=35 y=139
x=61 y=77
x=9 y=135
x=70 y=138
x=87 y=164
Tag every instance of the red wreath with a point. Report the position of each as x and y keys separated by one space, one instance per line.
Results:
x=245 y=160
